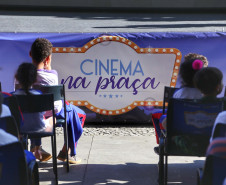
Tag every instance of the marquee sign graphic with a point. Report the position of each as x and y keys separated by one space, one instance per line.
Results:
x=112 y=75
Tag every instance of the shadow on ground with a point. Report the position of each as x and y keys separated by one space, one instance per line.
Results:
x=128 y=173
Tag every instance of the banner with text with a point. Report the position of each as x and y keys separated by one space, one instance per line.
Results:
x=114 y=77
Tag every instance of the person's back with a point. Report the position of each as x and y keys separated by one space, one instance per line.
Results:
x=46 y=77
x=5 y=111
x=33 y=122
x=6 y=138
x=217 y=147
x=192 y=64
x=41 y=54
x=220 y=119
x=209 y=82
x=26 y=75
x=214 y=169
x=30 y=118
x=187 y=93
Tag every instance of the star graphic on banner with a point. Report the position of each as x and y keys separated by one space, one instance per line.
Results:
x=116 y=95
x=105 y=95
x=110 y=96
x=100 y=95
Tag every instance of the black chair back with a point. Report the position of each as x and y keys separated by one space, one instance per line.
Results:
x=12 y=103
x=192 y=120
x=168 y=93
x=225 y=91
x=35 y=103
x=220 y=130
x=58 y=92
x=13 y=164
x=189 y=127
x=40 y=103
x=8 y=124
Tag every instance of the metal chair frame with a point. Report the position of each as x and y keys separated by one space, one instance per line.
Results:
x=165 y=139
x=35 y=104
x=58 y=92
x=9 y=124
x=12 y=103
x=13 y=164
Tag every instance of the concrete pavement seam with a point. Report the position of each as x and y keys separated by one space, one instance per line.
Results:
x=84 y=176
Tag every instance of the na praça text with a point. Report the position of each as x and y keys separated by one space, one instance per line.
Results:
x=110 y=68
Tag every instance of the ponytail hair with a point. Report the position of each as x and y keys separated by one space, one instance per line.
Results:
x=26 y=75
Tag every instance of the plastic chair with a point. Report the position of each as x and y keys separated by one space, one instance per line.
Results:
x=214 y=172
x=12 y=103
x=189 y=123
x=40 y=103
x=220 y=130
x=156 y=117
x=168 y=93
x=13 y=167
x=9 y=125
x=225 y=91
x=58 y=92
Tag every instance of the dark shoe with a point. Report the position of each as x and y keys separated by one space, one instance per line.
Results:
x=62 y=156
x=156 y=149
x=71 y=159
x=45 y=156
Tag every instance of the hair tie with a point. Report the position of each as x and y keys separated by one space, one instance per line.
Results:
x=197 y=65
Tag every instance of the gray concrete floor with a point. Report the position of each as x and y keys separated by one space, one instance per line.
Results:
x=118 y=160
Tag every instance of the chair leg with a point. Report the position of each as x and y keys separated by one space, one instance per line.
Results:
x=53 y=141
x=25 y=137
x=52 y=144
x=198 y=177
x=56 y=175
x=66 y=145
x=161 y=166
x=166 y=170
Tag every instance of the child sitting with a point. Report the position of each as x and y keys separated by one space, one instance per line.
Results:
x=192 y=63
x=188 y=69
x=26 y=75
x=41 y=54
x=209 y=81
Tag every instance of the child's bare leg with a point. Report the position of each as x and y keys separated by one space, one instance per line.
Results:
x=49 y=127
x=38 y=153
